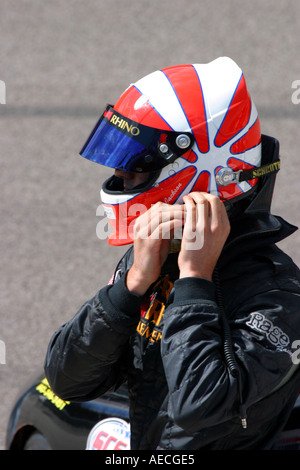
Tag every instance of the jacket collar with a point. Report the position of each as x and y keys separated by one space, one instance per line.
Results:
x=264 y=228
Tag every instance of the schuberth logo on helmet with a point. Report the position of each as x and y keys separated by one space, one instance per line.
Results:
x=265 y=170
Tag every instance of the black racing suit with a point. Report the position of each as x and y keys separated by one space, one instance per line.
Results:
x=169 y=344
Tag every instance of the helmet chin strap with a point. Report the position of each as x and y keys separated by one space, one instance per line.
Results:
x=226 y=176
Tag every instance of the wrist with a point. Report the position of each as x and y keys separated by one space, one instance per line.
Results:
x=136 y=283
x=195 y=273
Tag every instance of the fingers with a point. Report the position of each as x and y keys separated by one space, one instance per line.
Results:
x=205 y=215
x=204 y=235
x=213 y=208
x=200 y=213
x=153 y=231
x=196 y=213
x=159 y=222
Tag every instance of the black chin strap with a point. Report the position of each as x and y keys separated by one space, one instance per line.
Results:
x=226 y=176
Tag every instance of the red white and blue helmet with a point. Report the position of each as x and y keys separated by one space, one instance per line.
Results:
x=191 y=127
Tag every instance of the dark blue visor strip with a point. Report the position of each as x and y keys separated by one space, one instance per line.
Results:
x=119 y=142
x=110 y=147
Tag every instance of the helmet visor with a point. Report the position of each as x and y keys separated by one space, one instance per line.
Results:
x=119 y=142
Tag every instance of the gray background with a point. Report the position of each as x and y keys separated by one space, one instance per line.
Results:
x=62 y=61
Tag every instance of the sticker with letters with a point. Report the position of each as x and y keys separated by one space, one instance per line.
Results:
x=109 y=434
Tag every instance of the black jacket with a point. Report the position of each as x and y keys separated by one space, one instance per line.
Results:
x=187 y=390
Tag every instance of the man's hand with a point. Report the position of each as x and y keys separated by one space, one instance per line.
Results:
x=153 y=232
x=206 y=228
x=205 y=231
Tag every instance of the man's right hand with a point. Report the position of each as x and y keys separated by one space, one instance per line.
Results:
x=153 y=232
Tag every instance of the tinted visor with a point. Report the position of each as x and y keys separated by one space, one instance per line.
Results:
x=119 y=142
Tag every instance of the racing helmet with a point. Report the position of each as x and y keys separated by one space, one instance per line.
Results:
x=190 y=127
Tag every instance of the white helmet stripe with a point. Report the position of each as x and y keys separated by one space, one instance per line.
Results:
x=163 y=99
x=219 y=80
